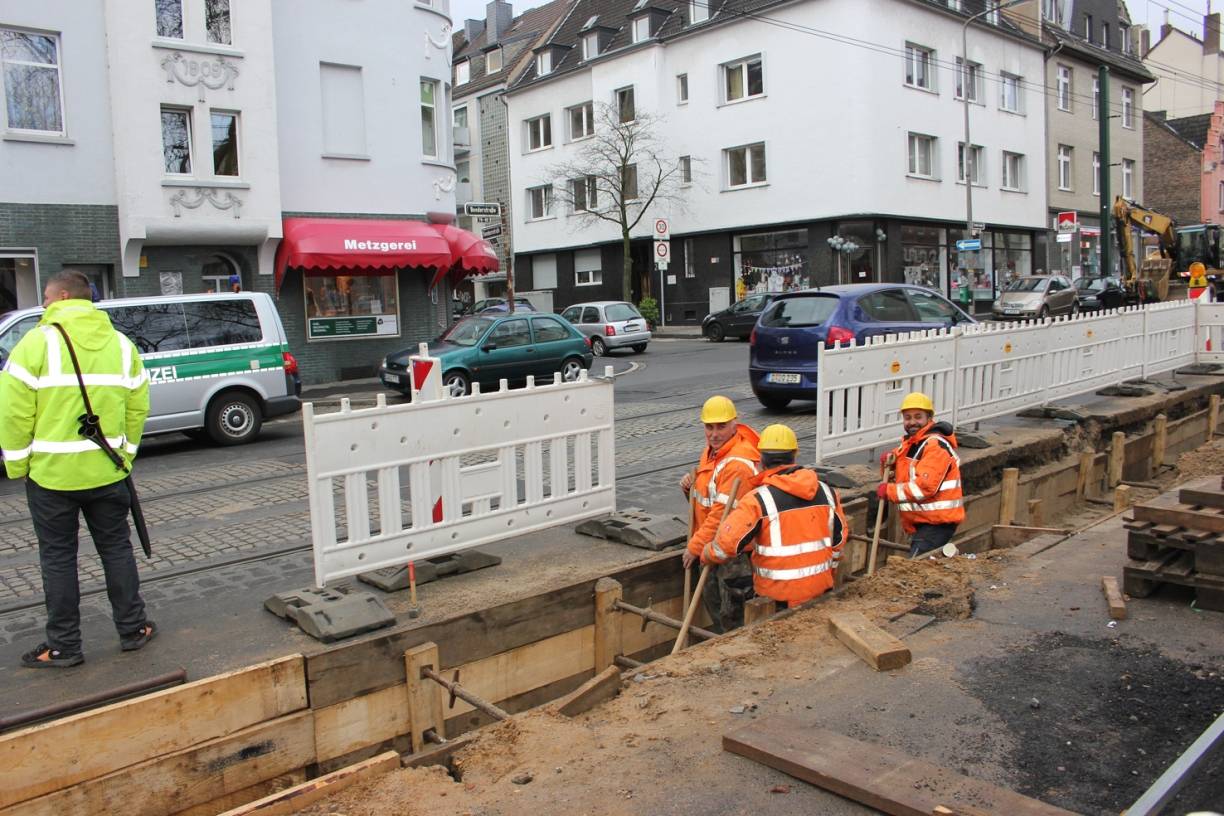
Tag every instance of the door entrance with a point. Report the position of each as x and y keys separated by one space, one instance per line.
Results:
x=18 y=283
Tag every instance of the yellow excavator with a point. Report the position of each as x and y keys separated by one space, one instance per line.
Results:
x=1151 y=279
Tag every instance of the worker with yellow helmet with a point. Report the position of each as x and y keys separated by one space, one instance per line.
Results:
x=927 y=484
x=730 y=453
x=791 y=522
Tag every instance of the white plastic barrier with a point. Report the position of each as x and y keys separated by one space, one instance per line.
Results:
x=1210 y=332
x=505 y=463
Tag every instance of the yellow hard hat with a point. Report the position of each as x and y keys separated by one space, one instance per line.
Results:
x=778 y=438
x=918 y=400
x=718 y=409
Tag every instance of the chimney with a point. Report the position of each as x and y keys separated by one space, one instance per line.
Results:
x=472 y=29
x=498 y=17
x=1145 y=42
x=1211 y=34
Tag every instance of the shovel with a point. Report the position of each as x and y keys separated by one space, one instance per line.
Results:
x=705 y=573
x=885 y=471
x=688 y=573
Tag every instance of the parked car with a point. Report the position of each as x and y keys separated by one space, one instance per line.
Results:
x=496 y=304
x=611 y=324
x=487 y=348
x=736 y=320
x=1099 y=293
x=217 y=364
x=1036 y=296
x=782 y=359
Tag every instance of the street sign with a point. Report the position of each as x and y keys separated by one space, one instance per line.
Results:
x=1068 y=221
x=491 y=232
x=969 y=245
x=662 y=230
x=482 y=208
x=979 y=227
x=662 y=253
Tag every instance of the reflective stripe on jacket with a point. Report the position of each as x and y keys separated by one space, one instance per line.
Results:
x=795 y=528
x=927 y=486
x=737 y=458
x=40 y=400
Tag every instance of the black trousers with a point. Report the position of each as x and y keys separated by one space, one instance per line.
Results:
x=56 y=515
x=929 y=537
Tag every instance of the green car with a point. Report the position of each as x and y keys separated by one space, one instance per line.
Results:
x=489 y=348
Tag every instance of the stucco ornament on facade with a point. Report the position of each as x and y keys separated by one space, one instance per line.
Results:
x=200 y=74
x=443 y=184
x=442 y=43
x=221 y=199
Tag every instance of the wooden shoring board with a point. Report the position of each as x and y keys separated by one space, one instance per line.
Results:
x=193 y=776
x=1113 y=597
x=299 y=796
x=878 y=777
x=56 y=755
x=879 y=649
x=376 y=661
x=259 y=791
x=1007 y=536
x=600 y=688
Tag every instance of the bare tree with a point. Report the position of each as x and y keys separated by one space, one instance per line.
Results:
x=619 y=173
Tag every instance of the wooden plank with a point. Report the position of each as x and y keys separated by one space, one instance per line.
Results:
x=190 y=777
x=1164 y=530
x=299 y=796
x=1113 y=596
x=600 y=688
x=1083 y=478
x=1180 y=516
x=58 y=754
x=1213 y=416
x=1007 y=498
x=1035 y=517
x=424 y=696
x=607 y=622
x=1117 y=458
x=233 y=800
x=1202 y=497
x=880 y=650
x=1008 y=536
x=877 y=776
x=758 y=609
x=1160 y=443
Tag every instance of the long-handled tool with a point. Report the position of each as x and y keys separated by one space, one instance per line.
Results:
x=885 y=474
x=732 y=494
x=414 y=611
x=688 y=572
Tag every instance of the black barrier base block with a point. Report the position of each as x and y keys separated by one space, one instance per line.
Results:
x=394 y=579
x=637 y=528
x=331 y=614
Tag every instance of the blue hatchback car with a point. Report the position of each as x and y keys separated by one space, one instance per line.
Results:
x=782 y=360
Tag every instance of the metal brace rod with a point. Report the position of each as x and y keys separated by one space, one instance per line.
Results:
x=459 y=691
x=655 y=617
x=628 y=662
x=1170 y=782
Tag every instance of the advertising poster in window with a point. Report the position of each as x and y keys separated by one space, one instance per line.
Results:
x=347 y=306
x=920 y=253
x=771 y=262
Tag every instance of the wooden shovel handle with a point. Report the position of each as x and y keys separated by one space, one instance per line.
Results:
x=732 y=495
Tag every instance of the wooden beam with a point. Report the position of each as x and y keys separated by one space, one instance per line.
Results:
x=1113 y=596
x=1007 y=496
x=190 y=777
x=600 y=688
x=1122 y=498
x=1204 y=497
x=880 y=650
x=607 y=622
x=424 y=696
x=758 y=609
x=1117 y=458
x=1160 y=443
x=1213 y=416
x=233 y=800
x=1083 y=478
x=1035 y=516
x=1006 y=537
x=1179 y=516
x=291 y=800
x=61 y=753
x=877 y=776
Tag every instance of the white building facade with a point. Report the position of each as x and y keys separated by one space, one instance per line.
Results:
x=814 y=160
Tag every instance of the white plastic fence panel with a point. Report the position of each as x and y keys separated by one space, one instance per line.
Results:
x=1134 y=324
x=1001 y=369
x=505 y=463
x=1210 y=340
x=1170 y=336
x=1085 y=354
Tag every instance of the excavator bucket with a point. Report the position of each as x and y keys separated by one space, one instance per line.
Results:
x=1156 y=270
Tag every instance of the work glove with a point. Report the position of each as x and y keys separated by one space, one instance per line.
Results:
x=882 y=491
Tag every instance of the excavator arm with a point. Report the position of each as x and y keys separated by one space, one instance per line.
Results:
x=1148 y=279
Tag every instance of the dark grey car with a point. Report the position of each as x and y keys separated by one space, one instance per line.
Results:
x=738 y=319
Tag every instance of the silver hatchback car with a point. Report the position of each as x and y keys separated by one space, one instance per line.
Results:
x=610 y=324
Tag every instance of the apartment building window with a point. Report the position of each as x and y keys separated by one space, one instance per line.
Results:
x=176 y=141
x=1124 y=34
x=1104 y=35
x=539 y=202
x=968 y=81
x=1009 y=92
x=1064 y=167
x=686 y=169
x=169 y=18
x=463 y=171
x=587 y=268
x=681 y=89
x=699 y=11
x=921 y=155
x=493 y=61
x=1220 y=197
x=977 y=166
x=1096 y=97
x=544 y=63
x=745 y=165
x=1096 y=173
x=691 y=272
x=1013 y=171
x=629 y=182
x=32 y=83
x=1055 y=11
x=539 y=132
x=581 y=121
x=1128 y=108
x=217 y=21
x=590 y=45
x=1128 y=178
x=459 y=117
x=743 y=79
x=343 y=111
x=224 y=143
x=641 y=29
x=584 y=194
x=429 y=118
x=918 y=62
x=463 y=72
x=624 y=104
x=1064 y=87
x=1088 y=27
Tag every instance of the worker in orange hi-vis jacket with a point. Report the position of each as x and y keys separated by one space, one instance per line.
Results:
x=927 y=484
x=791 y=522
x=730 y=454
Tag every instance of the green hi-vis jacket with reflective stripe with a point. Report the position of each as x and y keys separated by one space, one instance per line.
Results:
x=41 y=405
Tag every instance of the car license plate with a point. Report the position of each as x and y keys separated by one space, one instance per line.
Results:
x=391 y=378
x=631 y=327
x=1011 y=311
x=789 y=379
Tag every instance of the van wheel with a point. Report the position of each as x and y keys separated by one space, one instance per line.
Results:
x=234 y=418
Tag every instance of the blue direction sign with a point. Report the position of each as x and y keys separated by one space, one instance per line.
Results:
x=969 y=244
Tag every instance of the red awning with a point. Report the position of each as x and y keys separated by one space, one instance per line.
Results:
x=350 y=245
x=472 y=255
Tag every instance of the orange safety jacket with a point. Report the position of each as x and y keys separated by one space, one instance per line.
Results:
x=737 y=458
x=927 y=489
x=795 y=527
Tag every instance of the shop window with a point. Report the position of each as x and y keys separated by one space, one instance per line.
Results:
x=32 y=88
x=920 y=254
x=225 y=143
x=176 y=141
x=169 y=18
x=343 y=306
x=770 y=262
x=1013 y=256
x=217 y=21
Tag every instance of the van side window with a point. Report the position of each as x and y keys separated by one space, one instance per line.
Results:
x=17 y=331
x=155 y=327
x=222 y=322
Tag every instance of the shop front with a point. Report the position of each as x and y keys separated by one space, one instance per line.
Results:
x=1078 y=254
x=771 y=262
x=978 y=276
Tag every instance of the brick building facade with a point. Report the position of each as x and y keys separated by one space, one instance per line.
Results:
x=1172 y=166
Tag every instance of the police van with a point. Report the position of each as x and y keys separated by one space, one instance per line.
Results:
x=218 y=365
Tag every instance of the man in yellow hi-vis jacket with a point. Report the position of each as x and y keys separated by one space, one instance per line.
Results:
x=41 y=407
